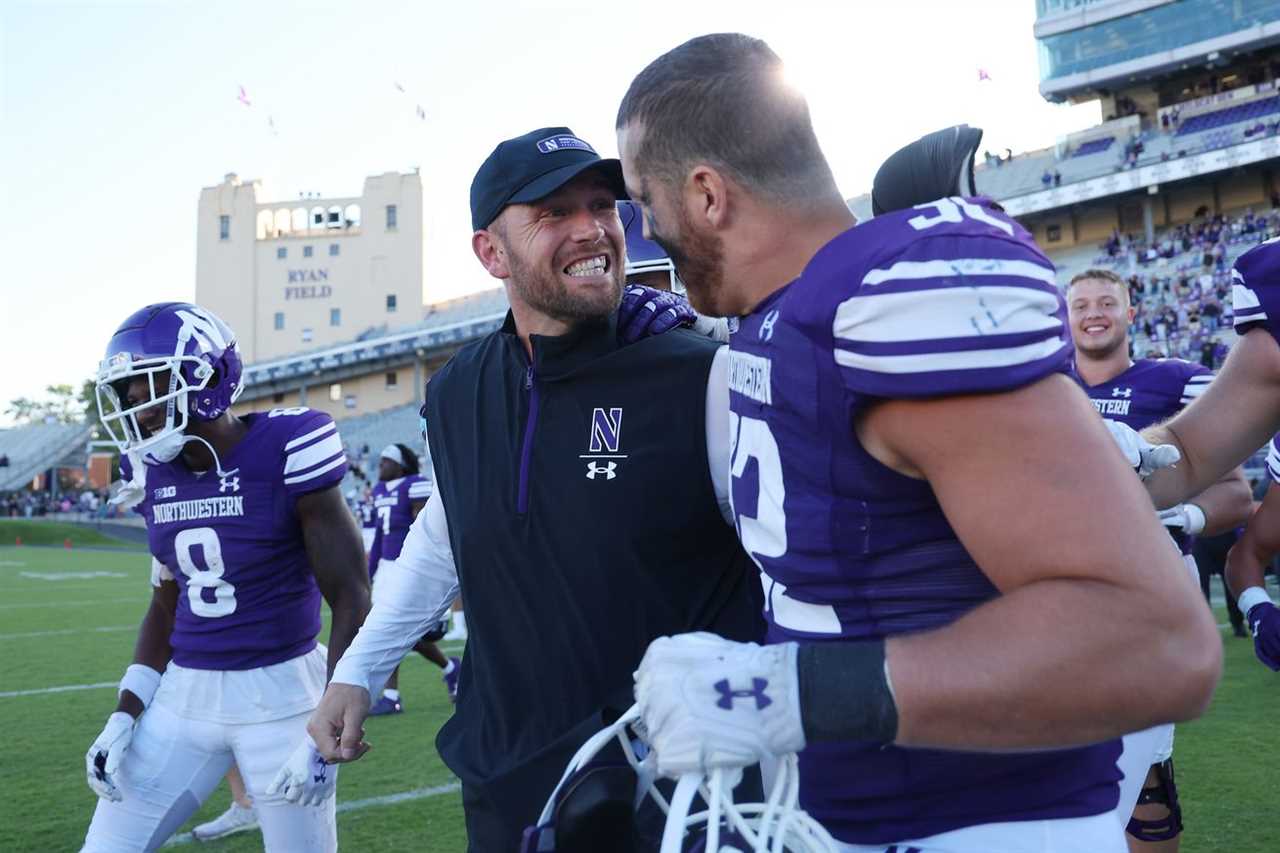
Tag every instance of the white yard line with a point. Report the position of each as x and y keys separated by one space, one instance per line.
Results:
x=110 y=629
x=94 y=601
x=66 y=689
x=359 y=805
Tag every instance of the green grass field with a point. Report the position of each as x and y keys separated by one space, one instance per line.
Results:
x=68 y=618
x=53 y=533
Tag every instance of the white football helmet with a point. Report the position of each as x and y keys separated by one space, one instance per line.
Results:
x=776 y=825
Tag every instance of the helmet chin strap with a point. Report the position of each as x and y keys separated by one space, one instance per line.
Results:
x=169 y=452
x=217 y=463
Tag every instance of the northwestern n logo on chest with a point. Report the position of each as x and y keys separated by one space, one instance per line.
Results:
x=604 y=442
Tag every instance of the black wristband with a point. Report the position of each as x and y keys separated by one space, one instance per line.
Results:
x=844 y=694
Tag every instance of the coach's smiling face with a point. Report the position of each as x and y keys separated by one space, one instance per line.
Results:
x=562 y=256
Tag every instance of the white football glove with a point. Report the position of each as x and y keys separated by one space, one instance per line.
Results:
x=708 y=702
x=1144 y=457
x=1189 y=517
x=306 y=778
x=102 y=761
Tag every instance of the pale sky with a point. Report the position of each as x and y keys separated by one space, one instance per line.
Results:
x=112 y=117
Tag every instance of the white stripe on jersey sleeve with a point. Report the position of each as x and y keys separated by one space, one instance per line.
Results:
x=310 y=475
x=932 y=362
x=1195 y=387
x=959 y=267
x=419 y=489
x=313 y=455
x=1245 y=305
x=315 y=433
x=1273 y=461
x=949 y=312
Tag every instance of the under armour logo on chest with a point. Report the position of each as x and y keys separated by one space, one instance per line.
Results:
x=766 y=327
x=1122 y=392
x=228 y=484
x=608 y=469
x=727 y=695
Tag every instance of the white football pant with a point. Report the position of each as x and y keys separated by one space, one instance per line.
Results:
x=174 y=763
x=1094 y=834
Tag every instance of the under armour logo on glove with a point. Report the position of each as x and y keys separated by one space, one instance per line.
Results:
x=305 y=777
x=727 y=695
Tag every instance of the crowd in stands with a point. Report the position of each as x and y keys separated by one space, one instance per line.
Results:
x=80 y=503
x=1180 y=284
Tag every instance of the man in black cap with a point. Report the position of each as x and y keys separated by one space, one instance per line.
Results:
x=580 y=506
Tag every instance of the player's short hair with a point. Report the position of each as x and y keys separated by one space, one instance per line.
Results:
x=410 y=458
x=1102 y=275
x=721 y=99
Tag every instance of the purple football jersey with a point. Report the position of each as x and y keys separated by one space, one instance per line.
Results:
x=1150 y=391
x=393 y=514
x=247 y=595
x=1255 y=289
x=948 y=298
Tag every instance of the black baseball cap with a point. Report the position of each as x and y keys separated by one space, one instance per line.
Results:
x=534 y=166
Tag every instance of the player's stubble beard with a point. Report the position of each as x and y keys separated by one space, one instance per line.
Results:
x=699 y=261
x=545 y=292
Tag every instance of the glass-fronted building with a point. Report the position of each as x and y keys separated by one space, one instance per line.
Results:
x=1090 y=44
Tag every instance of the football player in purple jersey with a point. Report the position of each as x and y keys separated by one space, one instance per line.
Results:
x=1235 y=416
x=247 y=530
x=1139 y=394
x=399 y=495
x=1248 y=560
x=964 y=581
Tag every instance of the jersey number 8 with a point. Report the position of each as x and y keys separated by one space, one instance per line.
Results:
x=198 y=579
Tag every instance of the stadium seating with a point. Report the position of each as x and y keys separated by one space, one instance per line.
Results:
x=1094 y=146
x=1251 y=111
x=33 y=449
x=364 y=437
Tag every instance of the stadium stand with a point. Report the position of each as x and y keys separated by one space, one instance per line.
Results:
x=365 y=436
x=34 y=449
x=448 y=323
x=1251 y=110
x=1094 y=146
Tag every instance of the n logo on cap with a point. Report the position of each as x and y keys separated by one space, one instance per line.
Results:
x=556 y=143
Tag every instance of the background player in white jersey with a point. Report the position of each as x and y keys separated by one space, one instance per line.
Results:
x=1237 y=414
x=1140 y=393
x=247 y=528
x=399 y=495
x=964 y=581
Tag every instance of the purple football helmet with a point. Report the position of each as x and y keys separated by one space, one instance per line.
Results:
x=589 y=802
x=189 y=360
x=644 y=255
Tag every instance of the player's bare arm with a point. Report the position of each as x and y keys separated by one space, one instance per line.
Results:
x=1255 y=549
x=337 y=559
x=1244 y=572
x=1248 y=386
x=152 y=648
x=1035 y=491
x=1226 y=504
